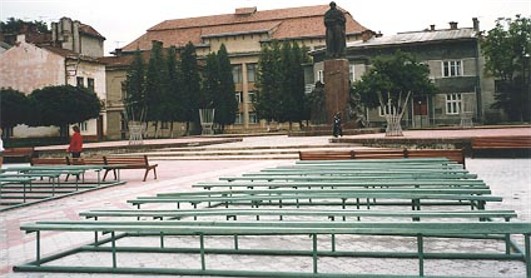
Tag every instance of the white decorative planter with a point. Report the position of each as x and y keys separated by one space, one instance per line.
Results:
x=206 y=118
x=136 y=129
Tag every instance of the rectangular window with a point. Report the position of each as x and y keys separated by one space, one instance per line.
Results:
x=253 y=118
x=239 y=119
x=80 y=82
x=238 y=96
x=90 y=83
x=251 y=73
x=237 y=75
x=83 y=126
x=320 y=76
x=452 y=68
x=453 y=104
x=352 y=72
x=252 y=97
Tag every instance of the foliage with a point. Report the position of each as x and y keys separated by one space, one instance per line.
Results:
x=211 y=82
x=15 y=26
x=224 y=101
x=268 y=82
x=192 y=86
x=14 y=108
x=315 y=102
x=135 y=101
x=281 y=83
x=390 y=83
x=173 y=109
x=156 y=80
x=507 y=50
x=63 y=105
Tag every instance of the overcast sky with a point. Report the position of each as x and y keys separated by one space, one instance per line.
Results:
x=122 y=21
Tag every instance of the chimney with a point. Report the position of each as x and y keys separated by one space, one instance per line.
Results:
x=245 y=11
x=453 y=25
x=475 y=22
x=432 y=27
x=366 y=35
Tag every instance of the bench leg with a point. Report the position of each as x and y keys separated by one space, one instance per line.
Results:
x=147 y=172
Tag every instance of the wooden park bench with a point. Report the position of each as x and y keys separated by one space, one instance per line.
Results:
x=510 y=144
x=262 y=232
x=129 y=162
x=19 y=153
x=35 y=161
x=457 y=155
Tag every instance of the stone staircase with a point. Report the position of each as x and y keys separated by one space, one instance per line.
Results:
x=238 y=153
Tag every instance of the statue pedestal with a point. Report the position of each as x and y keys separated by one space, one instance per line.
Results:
x=336 y=78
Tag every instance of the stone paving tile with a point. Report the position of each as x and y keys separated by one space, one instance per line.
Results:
x=509 y=178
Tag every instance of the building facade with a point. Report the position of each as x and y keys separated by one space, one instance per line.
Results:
x=68 y=57
x=456 y=66
x=243 y=33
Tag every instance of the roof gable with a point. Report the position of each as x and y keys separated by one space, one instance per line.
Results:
x=299 y=22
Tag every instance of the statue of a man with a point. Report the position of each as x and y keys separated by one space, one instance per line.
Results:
x=334 y=20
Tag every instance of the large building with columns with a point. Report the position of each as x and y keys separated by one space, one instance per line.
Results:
x=243 y=33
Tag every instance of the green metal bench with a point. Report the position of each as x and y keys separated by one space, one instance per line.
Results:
x=328 y=231
x=254 y=192
x=413 y=199
x=24 y=181
x=343 y=184
x=269 y=177
x=331 y=214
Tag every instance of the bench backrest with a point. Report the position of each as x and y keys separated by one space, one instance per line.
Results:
x=19 y=151
x=49 y=161
x=457 y=155
x=86 y=161
x=518 y=141
x=137 y=160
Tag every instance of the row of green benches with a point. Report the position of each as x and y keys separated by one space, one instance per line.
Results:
x=24 y=184
x=419 y=211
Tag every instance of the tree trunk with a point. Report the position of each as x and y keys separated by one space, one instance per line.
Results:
x=393 y=125
x=136 y=130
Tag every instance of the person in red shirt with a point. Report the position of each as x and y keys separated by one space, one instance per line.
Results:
x=76 y=143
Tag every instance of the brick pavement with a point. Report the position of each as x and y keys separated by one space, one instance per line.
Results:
x=509 y=178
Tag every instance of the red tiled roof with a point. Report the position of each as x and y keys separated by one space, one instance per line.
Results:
x=87 y=29
x=281 y=24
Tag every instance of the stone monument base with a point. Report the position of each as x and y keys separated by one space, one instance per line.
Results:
x=337 y=87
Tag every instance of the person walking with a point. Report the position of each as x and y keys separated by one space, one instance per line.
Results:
x=338 y=129
x=76 y=143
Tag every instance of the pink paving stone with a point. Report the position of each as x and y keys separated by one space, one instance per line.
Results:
x=172 y=176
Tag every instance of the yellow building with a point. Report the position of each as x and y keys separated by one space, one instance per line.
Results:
x=243 y=33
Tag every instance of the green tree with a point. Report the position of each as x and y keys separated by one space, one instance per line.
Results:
x=134 y=100
x=281 y=83
x=15 y=26
x=63 y=105
x=298 y=88
x=192 y=86
x=156 y=85
x=224 y=101
x=211 y=82
x=14 y=108
x=173 y=109
x=390 y=83
x=269 y=82
x=507 y=50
